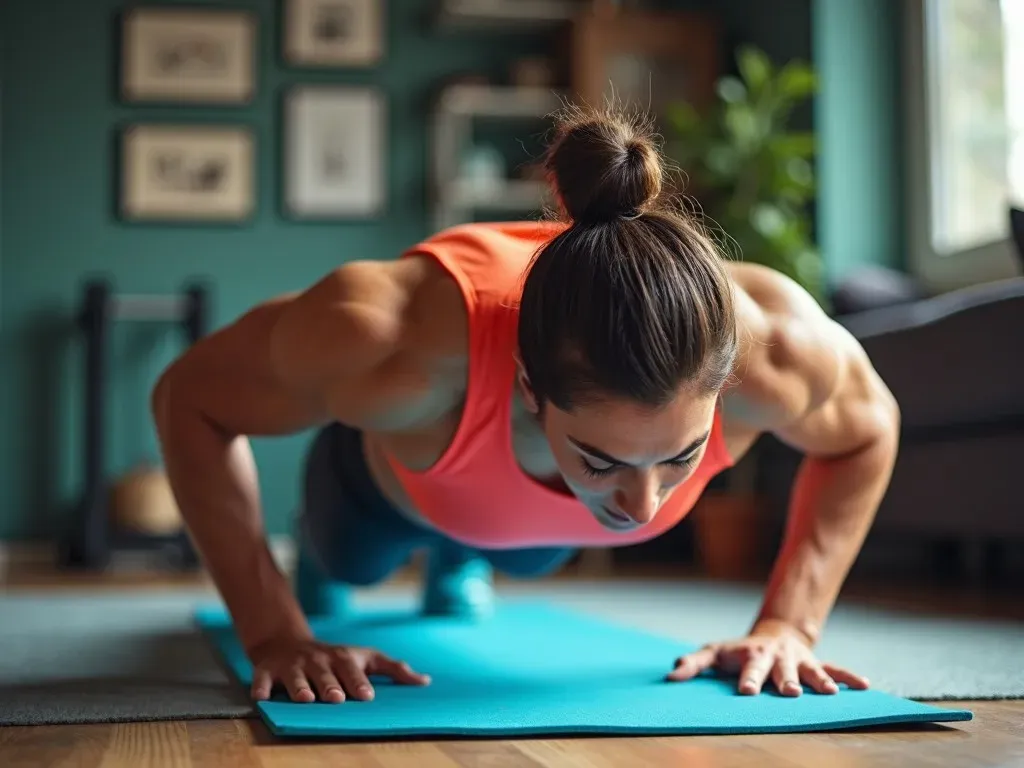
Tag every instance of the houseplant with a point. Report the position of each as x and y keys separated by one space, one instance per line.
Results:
x=750 y=177
x=749 y=172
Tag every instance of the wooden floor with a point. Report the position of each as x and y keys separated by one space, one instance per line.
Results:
x=994 y=738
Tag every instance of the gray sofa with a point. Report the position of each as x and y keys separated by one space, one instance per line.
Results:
x=955 y=363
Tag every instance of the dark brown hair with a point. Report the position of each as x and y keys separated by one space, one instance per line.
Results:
x=632 y=299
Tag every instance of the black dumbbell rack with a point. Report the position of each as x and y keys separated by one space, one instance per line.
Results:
x=92 y=539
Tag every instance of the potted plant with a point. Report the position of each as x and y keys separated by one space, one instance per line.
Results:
x=751 y=176
x=751 y=173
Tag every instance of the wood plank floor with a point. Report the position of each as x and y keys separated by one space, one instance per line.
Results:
x=994 y=738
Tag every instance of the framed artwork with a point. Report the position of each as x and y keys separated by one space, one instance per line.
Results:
x=645 y=59
x=334 y=33
x=185 y=55
x=335 y=143
x=187 y=173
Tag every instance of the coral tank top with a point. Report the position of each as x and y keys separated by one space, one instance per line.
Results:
x=476 y=493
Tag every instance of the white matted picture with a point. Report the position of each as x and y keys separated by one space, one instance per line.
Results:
x=184 y=55
x=335 y=140
x=187 y=173
x=339 y=33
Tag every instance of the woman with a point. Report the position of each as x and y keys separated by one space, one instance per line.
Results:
x=506 y=393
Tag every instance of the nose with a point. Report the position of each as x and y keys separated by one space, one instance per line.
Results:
x=640 y=499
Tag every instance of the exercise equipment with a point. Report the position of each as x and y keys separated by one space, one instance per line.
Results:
x=538 y=668
x=93 y=539
x=141 y=500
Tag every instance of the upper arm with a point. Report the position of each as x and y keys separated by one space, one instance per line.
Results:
x=298 y=360
x=806 y=380
x=340 y=330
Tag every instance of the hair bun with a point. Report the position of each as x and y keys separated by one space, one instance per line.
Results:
x=604 y=167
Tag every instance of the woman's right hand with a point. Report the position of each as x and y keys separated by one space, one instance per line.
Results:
x=310 y=670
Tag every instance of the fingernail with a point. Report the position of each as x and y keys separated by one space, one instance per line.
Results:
x=364 y=690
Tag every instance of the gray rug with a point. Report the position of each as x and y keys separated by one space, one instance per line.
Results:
x=91 y=657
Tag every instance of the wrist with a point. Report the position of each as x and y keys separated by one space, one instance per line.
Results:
x=264 y=609
x=805 y=631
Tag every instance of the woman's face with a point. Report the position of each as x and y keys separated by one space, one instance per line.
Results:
x=623 y=460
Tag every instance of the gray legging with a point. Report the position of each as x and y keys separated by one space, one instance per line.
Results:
x=357 y=537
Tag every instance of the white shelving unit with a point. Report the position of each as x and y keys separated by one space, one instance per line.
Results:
x=498 y=14
x=453 y=199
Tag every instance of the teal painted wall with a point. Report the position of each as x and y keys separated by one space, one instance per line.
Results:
x=60 y=120
x=858 y=119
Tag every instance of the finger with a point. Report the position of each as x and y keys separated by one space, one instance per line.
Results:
x=755 y=671
x=399 y=671
x=816 y=677
x=262 y=683
x=327 y=684
x=352 y=677
x=693 y=664
x=297 y=685
x=785 y=676
x=841 y=675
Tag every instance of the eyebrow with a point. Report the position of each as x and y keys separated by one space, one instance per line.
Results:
x=597 y=453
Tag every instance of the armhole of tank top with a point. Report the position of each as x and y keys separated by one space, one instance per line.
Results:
x=471 y=301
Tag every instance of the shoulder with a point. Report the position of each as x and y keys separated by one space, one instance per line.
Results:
x=366 y=315
x=799 y=373
x=377 y=308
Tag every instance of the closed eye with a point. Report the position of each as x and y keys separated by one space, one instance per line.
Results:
x=603 y=471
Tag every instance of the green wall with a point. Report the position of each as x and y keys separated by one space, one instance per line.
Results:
x=858 y=119
x=60 y=120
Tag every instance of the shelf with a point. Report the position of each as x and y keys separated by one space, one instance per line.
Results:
x=511 y=195
x=500 y=14
x=498 y=101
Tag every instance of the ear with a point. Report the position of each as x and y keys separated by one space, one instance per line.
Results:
x=523 y=382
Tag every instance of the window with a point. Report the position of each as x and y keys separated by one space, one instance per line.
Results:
x=967 y=87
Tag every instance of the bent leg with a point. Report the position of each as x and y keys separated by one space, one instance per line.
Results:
x=348 y=534
x=459 y=582
x=531 y=562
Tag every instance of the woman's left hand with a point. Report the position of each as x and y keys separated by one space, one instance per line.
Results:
x=773 y=651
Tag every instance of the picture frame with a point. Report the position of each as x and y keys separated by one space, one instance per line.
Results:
x=645 y=59
x=335 y=152
x=182 y=55
x=334 y=33
x=193 y=173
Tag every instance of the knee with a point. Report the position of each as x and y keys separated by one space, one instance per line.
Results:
x=343 y=564
x=530 y=563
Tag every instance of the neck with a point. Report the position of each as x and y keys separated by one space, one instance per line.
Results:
x=531 y=448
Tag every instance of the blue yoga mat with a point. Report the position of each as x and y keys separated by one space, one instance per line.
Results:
x=537 y=668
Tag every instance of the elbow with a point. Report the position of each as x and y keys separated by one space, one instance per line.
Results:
x=169 y=400
x=161 y=398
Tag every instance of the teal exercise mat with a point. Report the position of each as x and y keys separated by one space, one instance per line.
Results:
x=535 y=668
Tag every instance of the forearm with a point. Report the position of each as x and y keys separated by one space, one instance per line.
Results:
x=214 y=479
x=833 y=506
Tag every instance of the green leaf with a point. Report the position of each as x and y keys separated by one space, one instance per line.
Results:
x=731 y=90
x=797 y=81
x=742 y=124
x=797 y=144
x=755 y=68
x=767 y=219
x=799 y=170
